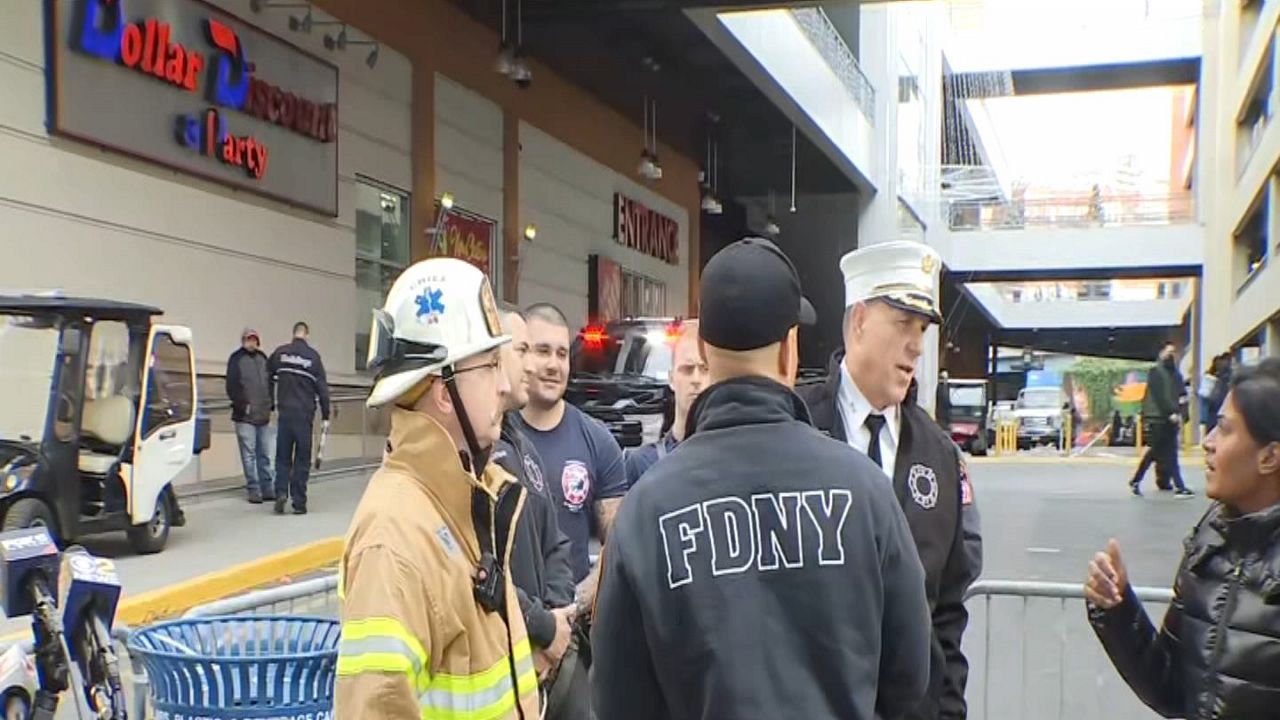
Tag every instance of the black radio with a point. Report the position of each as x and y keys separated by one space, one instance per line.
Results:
x=490 y=583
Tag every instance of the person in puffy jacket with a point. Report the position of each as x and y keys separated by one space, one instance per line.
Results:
x=251 y=390
x=1218 y=654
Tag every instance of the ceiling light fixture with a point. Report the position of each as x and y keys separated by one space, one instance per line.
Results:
x=505 y=62
x=530 y=232
x=301 y=25
x=521 y=73
x=770 y=222
x=793 y=169
x=645 y=168
x=716 y=207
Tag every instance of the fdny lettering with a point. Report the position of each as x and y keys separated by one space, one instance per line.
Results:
x=765 y=534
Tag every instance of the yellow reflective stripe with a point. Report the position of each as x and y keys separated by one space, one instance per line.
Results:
x=486 y=695
x=382 y=645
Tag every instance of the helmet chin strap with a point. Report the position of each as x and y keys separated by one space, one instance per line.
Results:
x=478 y=457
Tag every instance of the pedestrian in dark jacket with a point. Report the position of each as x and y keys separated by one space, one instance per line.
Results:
x=300 y=385
x=251 y=390
x=540 y=556
x=869 y=401
x=1162 y=412
x=1218 y=653
x=761 y=570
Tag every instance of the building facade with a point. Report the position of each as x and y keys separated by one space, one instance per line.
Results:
x=1236 y=185
x=248 y=164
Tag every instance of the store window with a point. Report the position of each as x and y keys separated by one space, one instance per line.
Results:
x=643 y=296
x=382 y=252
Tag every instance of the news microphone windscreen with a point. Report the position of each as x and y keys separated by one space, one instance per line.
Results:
x=24 y=553
x=87 y=579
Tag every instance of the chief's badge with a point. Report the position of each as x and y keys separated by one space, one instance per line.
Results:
x=923 y=484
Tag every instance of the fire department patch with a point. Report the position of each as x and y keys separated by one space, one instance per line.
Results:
x=923 y=484
x=533 y=472
x=575 y=484
x=966 y=487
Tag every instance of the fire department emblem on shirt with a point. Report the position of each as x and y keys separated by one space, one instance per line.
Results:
x=575 y=483
x=533 y=472
x=923 y=484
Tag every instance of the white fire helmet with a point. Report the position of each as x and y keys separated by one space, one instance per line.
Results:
x=438 y=312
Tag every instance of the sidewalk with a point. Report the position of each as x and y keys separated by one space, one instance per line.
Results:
x=194 y=493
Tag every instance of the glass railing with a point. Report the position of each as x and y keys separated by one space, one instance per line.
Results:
x=1083 y=210
x=357 y=435
x=820 y=31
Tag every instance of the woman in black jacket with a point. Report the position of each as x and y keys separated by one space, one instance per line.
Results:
x=1218 y=654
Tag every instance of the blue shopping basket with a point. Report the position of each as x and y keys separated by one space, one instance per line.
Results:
x=228 y=668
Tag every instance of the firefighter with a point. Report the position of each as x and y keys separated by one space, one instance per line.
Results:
x=762 y=570
x=431 y=626
x=869 y=402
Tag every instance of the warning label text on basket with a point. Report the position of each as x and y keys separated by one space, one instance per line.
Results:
x=315 y=715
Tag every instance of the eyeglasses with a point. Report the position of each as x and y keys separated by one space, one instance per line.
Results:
x=493 y=364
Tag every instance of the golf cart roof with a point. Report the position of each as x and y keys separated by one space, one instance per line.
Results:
x=62 y=305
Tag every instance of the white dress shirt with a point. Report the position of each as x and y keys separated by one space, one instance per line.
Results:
x=854 y=409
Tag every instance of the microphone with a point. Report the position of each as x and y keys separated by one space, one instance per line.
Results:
x=90 y=592
x=29 y=571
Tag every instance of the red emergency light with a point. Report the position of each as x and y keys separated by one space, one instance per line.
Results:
x=594 y=336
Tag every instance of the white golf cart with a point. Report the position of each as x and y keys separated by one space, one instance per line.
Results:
x=98 y=418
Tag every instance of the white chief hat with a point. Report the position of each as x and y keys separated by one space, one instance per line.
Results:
x=902 y=273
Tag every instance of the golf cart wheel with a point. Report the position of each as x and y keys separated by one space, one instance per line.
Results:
x=151 y=537
x=978 y=447
x=16 y=705
x=29 y=512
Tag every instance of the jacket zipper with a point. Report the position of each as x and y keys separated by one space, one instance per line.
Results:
x=1219 y=646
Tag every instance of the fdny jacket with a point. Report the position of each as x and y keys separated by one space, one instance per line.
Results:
x=932 y=486
x=540 y=557
x=759 y=571
x=299 y=378
x=415 y=641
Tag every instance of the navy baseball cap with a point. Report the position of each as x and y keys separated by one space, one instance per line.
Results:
x=749 y=297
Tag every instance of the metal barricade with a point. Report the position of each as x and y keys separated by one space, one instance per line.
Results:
x=1033 y=655
x=316 y=597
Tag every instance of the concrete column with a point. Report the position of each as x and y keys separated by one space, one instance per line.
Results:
x=1196 y=352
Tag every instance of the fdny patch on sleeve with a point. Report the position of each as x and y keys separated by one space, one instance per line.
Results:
x=966 y=487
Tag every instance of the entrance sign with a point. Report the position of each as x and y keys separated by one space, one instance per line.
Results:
x=186 y=85
x=642 y=228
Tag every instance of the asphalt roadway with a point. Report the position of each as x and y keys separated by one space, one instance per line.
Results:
x=1043 y=521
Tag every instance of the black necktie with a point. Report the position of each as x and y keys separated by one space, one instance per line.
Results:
x=875 y=423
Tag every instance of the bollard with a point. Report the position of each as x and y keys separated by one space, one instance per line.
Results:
x=1137 y=430
x=1067 y=431
x=1006 y=437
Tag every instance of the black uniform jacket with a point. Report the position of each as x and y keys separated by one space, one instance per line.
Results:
x=759 y=571
x=540 y=557
x=933 y=489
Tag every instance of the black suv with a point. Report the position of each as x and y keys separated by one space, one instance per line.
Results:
x=622 y=369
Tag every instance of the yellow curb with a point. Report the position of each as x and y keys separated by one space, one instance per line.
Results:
x=173 y=600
